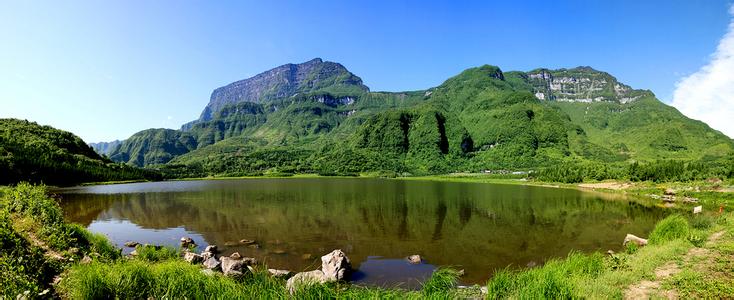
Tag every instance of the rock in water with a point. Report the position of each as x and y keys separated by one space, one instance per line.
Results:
x=212 y=264
x=631 y=238
x=235 y=255
x=336 y=265
x=233 y=267
x=131 y=244
x=415 y=259
x=193 y=258
x=305 y=278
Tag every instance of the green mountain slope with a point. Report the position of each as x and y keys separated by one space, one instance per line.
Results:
x=482 y=118
x=31 y=152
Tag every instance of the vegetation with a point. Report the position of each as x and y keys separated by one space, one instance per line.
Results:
x=480 y=119
x=42 y=154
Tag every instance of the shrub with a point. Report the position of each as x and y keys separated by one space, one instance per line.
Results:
x=671 y=228
x=442 y=280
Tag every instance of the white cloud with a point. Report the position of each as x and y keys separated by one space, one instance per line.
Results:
x=708 y=94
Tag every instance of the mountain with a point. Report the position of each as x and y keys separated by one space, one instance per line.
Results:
x=284 y=82
x=105 y=148
x=319 y=117
x=31 y=152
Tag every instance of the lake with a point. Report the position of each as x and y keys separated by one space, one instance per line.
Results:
x=477 y=227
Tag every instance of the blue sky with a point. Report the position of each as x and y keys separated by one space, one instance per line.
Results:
x=105 y=70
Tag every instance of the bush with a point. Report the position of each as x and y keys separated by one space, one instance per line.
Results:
x=442 y=280
x=671 y=228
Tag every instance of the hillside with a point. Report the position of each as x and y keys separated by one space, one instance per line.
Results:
x=35 y=153
x=319 y=117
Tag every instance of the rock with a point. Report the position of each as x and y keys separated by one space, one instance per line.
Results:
x=279 y=251
x=336 y=265
x=610 y=252
x=134 y=253
x=193 y=258
x=414 y=259
x=86 y=260
x=670 y=192
x=131 y=244
x=233 y=267
x=247 y=242
x=186 y=242
x=461 y=273
x=254 y=246
x=690 y=200
x=307 y=256
x=305 y=278
x=212 y=264
x=230 y=244
x=211 y=248
x=206 y=255
x=249 y=261
x=531 y=264
x=630 y=238
x=235 y=255
x=279 y=273
x=698 y=209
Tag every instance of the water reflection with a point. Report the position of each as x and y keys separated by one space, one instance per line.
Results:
x=478 y=227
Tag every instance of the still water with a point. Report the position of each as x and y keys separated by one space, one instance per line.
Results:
x=377 y=222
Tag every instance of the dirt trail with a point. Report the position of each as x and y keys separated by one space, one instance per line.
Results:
x=647 y=288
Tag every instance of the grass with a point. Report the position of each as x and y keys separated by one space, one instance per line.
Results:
x=671 y=228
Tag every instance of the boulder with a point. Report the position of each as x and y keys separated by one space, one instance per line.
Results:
x=86 y=260
x=305 y=278
x=233 y=267
x=279 y=273
x=131 y=244
x=212 y=264
x=631 y=238
x=235 y=255
x=250 y=261
x=670 y=192
x=187 y=242
x=336 y=266
x=211 y=248
x=415 y=259
x=193 y=258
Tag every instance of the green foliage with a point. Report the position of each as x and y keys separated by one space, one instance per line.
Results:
x=152 y=253
x=671 y=228
x=479 y=119
x=441 y=281
x=30 y=152
x=555 y=280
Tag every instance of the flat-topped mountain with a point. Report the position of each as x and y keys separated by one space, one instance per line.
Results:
x=285 y=81
x=319 y=117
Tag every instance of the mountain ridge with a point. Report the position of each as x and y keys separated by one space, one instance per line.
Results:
x=480 y=118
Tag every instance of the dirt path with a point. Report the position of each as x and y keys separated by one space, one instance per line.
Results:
x=606 y=185
x=646 y=289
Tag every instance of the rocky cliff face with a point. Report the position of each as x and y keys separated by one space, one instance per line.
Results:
x=581 y=84
x=105 y=147
x=286 y=81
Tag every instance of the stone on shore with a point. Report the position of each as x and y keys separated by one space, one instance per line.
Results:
x=233 y=267
x=212 y=264
x=193 y=258
x=187 y=242
x=131 y=244
x=279 y=273
x=631 y=238
x=211 y=248
x=305 y=278
x=336 y=265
